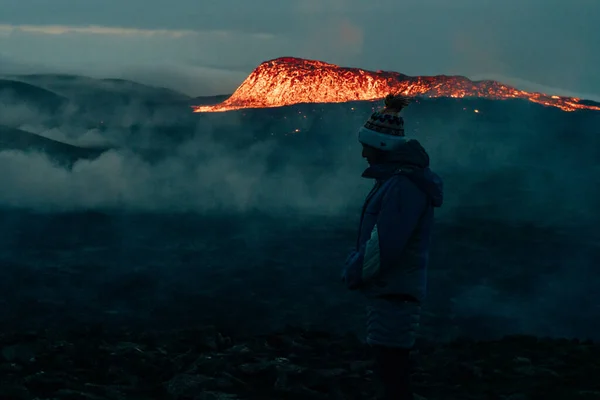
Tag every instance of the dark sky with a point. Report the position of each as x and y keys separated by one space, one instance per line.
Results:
x=210 y=46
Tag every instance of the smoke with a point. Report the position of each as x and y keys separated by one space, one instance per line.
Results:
x=510 y=164
x=188 y=79
x=198 y=177
x=532 y=167
x=199 y=174
x=91 y=138
x=522 y=189
x=335 y=34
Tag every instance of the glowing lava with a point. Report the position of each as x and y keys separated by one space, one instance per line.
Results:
x=285 y=81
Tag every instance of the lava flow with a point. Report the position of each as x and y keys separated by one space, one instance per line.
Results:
x=288 y=80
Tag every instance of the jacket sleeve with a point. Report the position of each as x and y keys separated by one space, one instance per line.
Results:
x=401 y=209
x=352 y=272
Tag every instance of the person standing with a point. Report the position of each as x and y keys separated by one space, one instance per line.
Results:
x=389 y=263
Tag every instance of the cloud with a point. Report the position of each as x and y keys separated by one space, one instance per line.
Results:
x=259 y=16
x=339 y=40
x=200 y=175
x=428 y=37
x=204 y=171
x=167 y=58
x=7 y=29
x=312 y=7
x=89 y=138
x=188 y=79
x=504 y=169
x=350 y=36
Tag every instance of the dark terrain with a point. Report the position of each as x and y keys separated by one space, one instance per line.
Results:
x=204 y=364
x=199 y=257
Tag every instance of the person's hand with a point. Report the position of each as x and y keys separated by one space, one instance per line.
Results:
x=349 y=259
x=351 y=256
x=350 y=275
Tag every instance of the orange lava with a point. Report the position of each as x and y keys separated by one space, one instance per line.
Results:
x=287 y=80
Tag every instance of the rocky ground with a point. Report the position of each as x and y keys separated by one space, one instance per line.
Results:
x=195 y=364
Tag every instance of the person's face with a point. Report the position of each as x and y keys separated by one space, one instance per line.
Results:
x=371 y=154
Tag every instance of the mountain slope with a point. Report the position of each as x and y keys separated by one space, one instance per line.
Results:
x=17 y=92
x=75 y=86
x=17 y=139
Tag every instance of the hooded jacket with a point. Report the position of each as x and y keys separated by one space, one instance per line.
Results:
x=394 y=235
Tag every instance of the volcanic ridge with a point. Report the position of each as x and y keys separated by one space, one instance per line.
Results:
x=288 y=80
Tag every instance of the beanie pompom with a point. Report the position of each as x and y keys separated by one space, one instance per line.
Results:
x=395 y=103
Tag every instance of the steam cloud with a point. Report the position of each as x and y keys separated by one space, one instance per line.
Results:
x=203 y=174
x=200 y=174
x=517 y=172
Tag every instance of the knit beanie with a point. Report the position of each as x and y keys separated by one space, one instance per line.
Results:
x=384 y=130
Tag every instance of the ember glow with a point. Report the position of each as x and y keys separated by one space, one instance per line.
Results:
x=286 y=81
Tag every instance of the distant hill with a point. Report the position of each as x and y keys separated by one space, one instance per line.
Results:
x=154 y=92
x=18 y=92
x=63 y=153
x=82 y=88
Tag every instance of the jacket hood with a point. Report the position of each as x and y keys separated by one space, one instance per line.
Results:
x=429 y=182
x=412 y=161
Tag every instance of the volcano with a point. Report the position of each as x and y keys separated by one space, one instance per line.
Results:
x=289 y=80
